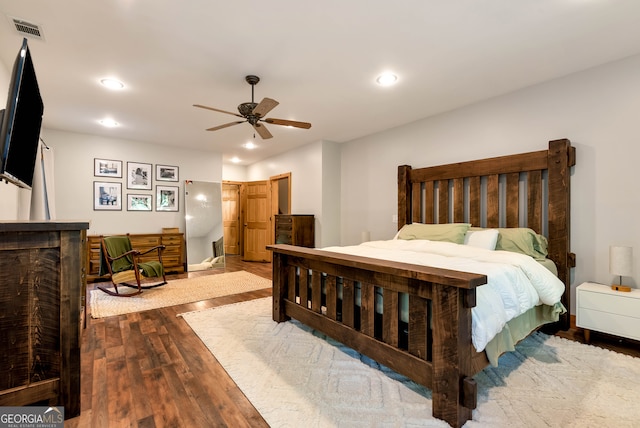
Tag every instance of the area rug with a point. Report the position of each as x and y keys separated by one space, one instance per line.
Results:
x=296 y=377
x=176 y=292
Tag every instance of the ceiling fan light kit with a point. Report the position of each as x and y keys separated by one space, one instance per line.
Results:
x=254 y=113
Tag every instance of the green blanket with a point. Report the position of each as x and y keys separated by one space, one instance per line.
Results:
x=121 y=245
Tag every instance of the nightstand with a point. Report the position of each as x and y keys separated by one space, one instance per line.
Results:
x=602 y=309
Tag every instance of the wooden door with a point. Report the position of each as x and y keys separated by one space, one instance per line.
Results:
x=280 y=198
x=231 y=221
x=257 y=225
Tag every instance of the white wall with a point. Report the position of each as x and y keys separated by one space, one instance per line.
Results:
x=331 y=180
x=306 y=165
x=596 y=109
x=74 y=161
x=234 y=172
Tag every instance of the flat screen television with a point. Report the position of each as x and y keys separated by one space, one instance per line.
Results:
x=21 y=122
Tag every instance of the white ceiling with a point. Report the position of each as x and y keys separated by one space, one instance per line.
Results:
x=318 y=59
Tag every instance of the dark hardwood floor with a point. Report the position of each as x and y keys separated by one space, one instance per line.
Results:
x=149 y=369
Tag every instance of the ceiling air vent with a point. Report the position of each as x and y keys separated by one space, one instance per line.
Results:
x=27 y=29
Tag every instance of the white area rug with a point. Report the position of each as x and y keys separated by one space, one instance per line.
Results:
x=176 y=292
x=295 y=378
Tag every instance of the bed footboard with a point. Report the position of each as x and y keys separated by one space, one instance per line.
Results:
x=336 y=294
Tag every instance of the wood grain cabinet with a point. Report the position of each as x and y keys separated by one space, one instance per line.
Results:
x=41 y=287
x=172 y=256
x=295 y=229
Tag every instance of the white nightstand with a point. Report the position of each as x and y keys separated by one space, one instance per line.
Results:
x=602 y=309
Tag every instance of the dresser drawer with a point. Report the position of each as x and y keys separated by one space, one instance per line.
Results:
x=284 y=226
x=171 y=261
x=610 y=323
x=610 y=303
x=145 y=241
x=283 y=238
x=172 y=240
x=171 y=252
x=281 y=220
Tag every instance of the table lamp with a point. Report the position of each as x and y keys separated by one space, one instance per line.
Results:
x=620 y=264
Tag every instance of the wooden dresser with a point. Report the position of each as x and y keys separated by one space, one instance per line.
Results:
x=172 y=256
x=41 y=297
x=295 y=229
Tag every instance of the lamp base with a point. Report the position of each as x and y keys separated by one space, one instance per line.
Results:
x=621 y=287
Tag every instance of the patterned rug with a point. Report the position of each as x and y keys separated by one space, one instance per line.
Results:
x=176 y=292
x=296 y=377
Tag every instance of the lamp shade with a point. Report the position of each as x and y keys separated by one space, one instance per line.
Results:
x=620 y=260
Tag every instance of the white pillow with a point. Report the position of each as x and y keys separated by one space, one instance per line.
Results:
x=486 y=239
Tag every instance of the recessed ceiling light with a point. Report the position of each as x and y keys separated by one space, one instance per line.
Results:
x=250 y=145
x=235 y=160
x=112 y=84
x=386 y=79
x=109 y=123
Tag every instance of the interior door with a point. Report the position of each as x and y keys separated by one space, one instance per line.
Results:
x=257 y=225
x=280 y=198
x=231 y=221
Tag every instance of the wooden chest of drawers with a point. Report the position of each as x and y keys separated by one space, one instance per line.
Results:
x=172 y=256
x=295 y=229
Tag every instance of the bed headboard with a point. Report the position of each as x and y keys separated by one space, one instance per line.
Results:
x=522 y=190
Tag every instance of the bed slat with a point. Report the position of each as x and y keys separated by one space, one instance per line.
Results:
x=443 y=201
x=534 y=200
x=390 y=317
x=418 y=327
x=429 y=205
x=348 y=302
x=367 y=309
x=474 y=200
x=493 y=201
x=512 y=199
x=332 y=297
x=316 y=291
x=416 y=215
x=458 y=200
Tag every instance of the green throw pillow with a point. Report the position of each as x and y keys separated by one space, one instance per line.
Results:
x=448 y=232
x=521 y=240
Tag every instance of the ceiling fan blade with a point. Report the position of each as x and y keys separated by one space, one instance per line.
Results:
x=262 y=130
x=265 y=106
x=226 y=125
x=305 y=125
x=216 y=109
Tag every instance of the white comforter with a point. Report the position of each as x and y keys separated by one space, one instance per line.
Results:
x=515 y=282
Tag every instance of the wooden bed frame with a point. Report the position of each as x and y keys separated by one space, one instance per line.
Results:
x=438 y=353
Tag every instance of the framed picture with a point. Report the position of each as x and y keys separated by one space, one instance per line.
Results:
x=107 y=168
x=139 y=202
x=138 y=176
x=107 y=196
x=166 y=173
x=166 y=198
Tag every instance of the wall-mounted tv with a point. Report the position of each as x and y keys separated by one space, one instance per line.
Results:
x=21 y=122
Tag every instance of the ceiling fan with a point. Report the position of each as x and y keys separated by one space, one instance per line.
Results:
x=254 y=113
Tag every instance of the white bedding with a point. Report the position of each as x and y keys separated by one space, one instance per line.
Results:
x=515 y=282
